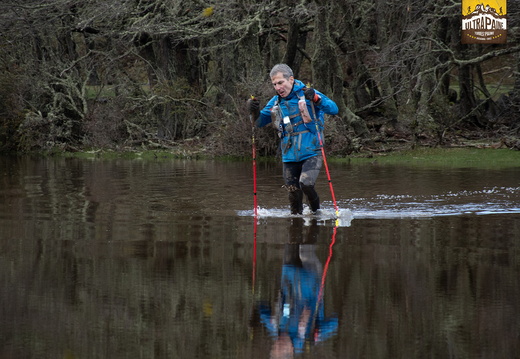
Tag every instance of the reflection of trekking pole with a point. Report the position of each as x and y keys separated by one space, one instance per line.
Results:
x=253 y=277
x=326 y=266
x=323 y=277
x=325 y=161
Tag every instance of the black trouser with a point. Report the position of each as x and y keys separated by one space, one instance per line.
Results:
x=300 y=178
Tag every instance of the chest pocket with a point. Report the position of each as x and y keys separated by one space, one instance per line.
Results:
x=291 y=109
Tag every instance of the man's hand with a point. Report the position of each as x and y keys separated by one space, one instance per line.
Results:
x=253 y=106
x=311 y=95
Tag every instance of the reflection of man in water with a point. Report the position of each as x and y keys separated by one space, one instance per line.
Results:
x=298 y=316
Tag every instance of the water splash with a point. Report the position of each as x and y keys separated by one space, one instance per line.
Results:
x=324 y=215
x=496 y=200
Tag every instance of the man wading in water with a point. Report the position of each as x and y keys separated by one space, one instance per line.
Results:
x=298 y=131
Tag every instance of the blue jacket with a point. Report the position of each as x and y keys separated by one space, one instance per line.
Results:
x=302 y=142
x=299 y=292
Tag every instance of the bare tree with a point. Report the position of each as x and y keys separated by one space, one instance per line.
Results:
x=142 y=72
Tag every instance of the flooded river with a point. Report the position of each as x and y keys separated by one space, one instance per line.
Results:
x=165 y=259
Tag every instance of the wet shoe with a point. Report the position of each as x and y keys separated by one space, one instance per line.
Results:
x=295 y=211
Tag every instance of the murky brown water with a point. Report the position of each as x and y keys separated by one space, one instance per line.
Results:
x=164 y=259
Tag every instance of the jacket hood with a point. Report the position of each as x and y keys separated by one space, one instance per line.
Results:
x=297 y=87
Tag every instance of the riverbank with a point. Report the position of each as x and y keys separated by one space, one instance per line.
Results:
x=476 y=149
x=462 y=157
x=469 y=157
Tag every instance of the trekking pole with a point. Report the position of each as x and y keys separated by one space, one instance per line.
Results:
x=325 y=161
x=255 y=200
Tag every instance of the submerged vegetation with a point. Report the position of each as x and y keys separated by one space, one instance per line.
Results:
x=174 y=76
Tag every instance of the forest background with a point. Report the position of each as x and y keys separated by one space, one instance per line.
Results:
x=78 y=75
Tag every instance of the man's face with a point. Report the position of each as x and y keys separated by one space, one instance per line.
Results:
x=282 y=86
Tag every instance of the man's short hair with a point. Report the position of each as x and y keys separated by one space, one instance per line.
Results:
x=283 y=68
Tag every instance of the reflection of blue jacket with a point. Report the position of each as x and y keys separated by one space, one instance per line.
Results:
x=304 y=142
x=299 y=292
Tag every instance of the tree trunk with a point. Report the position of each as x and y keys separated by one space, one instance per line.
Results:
x=327 y=73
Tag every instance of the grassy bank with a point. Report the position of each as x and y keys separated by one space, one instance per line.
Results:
x=446 y=157
x=442 y=157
